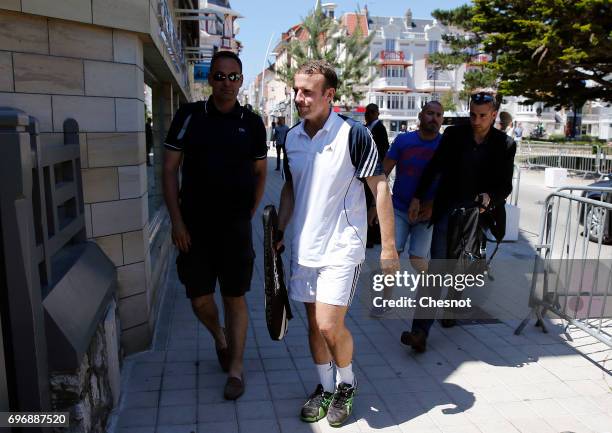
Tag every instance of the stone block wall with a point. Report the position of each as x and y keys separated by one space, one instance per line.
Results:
x=90 y=393
x=55 y=69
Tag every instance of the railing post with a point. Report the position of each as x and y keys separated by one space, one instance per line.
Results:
x=26 y=319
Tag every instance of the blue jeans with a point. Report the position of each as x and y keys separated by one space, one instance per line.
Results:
x=418 y=235
x=424 y=317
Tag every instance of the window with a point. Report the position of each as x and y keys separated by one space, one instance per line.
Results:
x=433 y=46
x=525 y=108
x=410 y=103
x=395 y=71
x=389 y=44
x=380 y=101
x=396 y=101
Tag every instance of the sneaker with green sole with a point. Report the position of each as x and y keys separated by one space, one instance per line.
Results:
x=342 y=404
x=316 y=406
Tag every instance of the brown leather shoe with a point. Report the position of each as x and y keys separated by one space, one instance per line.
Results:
x=415 y=339
x=234 y=388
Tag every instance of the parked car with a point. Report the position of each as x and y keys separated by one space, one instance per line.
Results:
x=598 y=219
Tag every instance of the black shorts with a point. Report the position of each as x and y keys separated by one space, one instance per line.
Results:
x=225 y=254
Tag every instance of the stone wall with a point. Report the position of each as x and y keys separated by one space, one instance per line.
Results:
x=90 y=393
x=54 y=69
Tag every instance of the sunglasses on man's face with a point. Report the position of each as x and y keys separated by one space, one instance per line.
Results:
x=232 y=76
x=482 y=98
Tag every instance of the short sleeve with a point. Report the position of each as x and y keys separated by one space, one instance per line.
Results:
x=178 y=128
x=395 y=149
x=364 y=154
x=260 y=145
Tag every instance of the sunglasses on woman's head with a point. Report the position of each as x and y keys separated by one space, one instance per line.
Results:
x=482 y=98
x=232 y=76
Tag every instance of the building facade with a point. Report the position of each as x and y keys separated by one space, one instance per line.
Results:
x=404 y=80
x=90 y=61
x=401 y=80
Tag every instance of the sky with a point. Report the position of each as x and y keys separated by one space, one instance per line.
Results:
x=266 y=19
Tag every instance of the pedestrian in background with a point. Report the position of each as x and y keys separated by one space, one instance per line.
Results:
x=474 y=162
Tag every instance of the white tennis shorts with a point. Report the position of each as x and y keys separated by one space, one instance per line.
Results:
x=334 y=285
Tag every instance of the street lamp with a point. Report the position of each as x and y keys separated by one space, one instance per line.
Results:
x=263 y=73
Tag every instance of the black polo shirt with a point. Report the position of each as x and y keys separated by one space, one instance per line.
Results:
x=219 y=151
x=466 y=169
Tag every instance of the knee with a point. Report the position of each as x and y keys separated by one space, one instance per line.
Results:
x=202 y=302
x=234 y=303
x=329 y=330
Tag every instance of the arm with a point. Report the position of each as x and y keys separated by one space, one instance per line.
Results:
x=285 y=210
x=388 y=165
x=503 y=185
x=260 y=169
x=172 y=162
x=380 y=189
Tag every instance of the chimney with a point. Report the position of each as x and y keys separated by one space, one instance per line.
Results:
x=408 y=18
x=329 y=10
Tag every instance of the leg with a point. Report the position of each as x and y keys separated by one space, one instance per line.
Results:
x=420 y=245
x=206 y=311
x=336 y=336
x=235 y=272
x=278 y=156
x=318 y=347
x=236 y=322
x=335 y=290
x=424 y=317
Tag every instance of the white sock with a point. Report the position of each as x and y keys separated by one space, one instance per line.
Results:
x=326 y=376
x=345 y=375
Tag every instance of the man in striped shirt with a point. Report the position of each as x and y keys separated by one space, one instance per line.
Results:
x=328 y=158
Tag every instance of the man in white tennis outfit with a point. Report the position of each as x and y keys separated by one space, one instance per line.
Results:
x=328 y=156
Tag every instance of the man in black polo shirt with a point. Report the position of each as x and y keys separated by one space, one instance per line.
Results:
x=473 y=162
x=222 y=148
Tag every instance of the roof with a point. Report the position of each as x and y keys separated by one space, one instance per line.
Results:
x=222 y=3
x=352 y=21
x=417 y=25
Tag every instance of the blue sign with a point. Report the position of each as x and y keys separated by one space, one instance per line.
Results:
x=200 y=72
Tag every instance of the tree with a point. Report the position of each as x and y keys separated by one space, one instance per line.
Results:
x=484 y=77
x=448 y=101
x=445 y=62
x=554 y=51
x=349 y=54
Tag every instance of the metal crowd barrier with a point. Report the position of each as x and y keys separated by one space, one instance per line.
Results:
x=604 y=158
x=516 y=183
x=572 y=276
x=574 y=157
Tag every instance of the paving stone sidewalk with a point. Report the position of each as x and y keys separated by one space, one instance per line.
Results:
x=477 y=378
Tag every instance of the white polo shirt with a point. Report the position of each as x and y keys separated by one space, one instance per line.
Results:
x=327 y=171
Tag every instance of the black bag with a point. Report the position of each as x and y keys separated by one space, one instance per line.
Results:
x=465 y=241
x=278 y=310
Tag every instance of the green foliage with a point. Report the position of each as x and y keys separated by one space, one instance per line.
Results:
x=448 y=101
x=545 y=50
x=350 y=55
x=446 y=61
x=478 y=78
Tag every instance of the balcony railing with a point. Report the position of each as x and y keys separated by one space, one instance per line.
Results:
x=438 y=84
x=381 y=82
x=170 y=37
x=391 y=55
x=399 y=112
